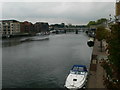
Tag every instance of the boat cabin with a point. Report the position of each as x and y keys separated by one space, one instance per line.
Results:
x=78 y=69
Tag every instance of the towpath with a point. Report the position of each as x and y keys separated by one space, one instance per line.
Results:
x=96 y=72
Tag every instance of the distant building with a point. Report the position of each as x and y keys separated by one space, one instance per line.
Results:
x=41 y=27
x=118 y=10
x=9 y=27
x=57 y=26
x=1 y=29
x=26 y=27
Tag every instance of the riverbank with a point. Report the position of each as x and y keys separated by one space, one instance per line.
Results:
x=96 y=71
x=16 y=35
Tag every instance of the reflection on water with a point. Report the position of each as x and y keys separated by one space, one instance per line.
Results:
x=10 y=42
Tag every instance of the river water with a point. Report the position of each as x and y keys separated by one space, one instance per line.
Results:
x=43 y=64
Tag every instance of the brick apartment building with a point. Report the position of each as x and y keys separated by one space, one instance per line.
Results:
x=41 y=27
x=26 y=27
x=14 y=27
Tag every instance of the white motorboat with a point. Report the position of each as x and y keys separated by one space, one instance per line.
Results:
x=77 y=77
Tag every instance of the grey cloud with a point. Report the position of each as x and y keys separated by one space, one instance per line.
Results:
x=57 y=12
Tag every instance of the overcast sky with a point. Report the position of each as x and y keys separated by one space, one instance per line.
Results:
x=57 y=12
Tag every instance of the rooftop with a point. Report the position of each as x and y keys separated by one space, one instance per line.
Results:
x=12 y=20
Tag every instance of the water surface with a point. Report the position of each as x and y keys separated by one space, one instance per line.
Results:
x=43 y=64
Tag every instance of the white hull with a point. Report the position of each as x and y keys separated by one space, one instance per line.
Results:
x=71 y=84
x=76 y=79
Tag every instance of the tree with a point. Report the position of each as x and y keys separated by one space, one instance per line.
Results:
x=101 y=34
x=112 y=66
x=100 y=21
x=91 y=23
x=62 y=25
x=114 y=46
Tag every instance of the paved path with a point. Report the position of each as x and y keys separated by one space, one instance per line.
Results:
x=95 y=79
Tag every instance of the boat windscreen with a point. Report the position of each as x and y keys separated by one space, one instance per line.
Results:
x=79 y=69
x=76 y=72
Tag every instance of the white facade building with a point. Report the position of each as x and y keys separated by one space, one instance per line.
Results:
x=1 y=29
x=9 y=27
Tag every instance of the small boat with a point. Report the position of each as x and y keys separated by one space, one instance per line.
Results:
x=90 y=42
x=77 y=77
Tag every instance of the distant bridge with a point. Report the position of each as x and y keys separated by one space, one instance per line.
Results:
x=72 y=29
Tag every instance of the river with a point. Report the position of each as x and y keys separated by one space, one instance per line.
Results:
x=43 y=64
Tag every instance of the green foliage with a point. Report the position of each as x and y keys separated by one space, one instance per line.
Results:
x=100 y=21
x=91 y=23
x=107 y=68
x=100 y=33
x=114 y=46
x=113 y=67
x=108 y=34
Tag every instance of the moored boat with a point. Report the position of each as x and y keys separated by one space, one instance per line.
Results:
x=77 y=77
x=90 y=42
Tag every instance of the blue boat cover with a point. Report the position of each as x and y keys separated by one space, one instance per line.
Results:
x=78 y=68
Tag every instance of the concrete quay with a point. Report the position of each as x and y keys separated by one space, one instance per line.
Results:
x=96 y=72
